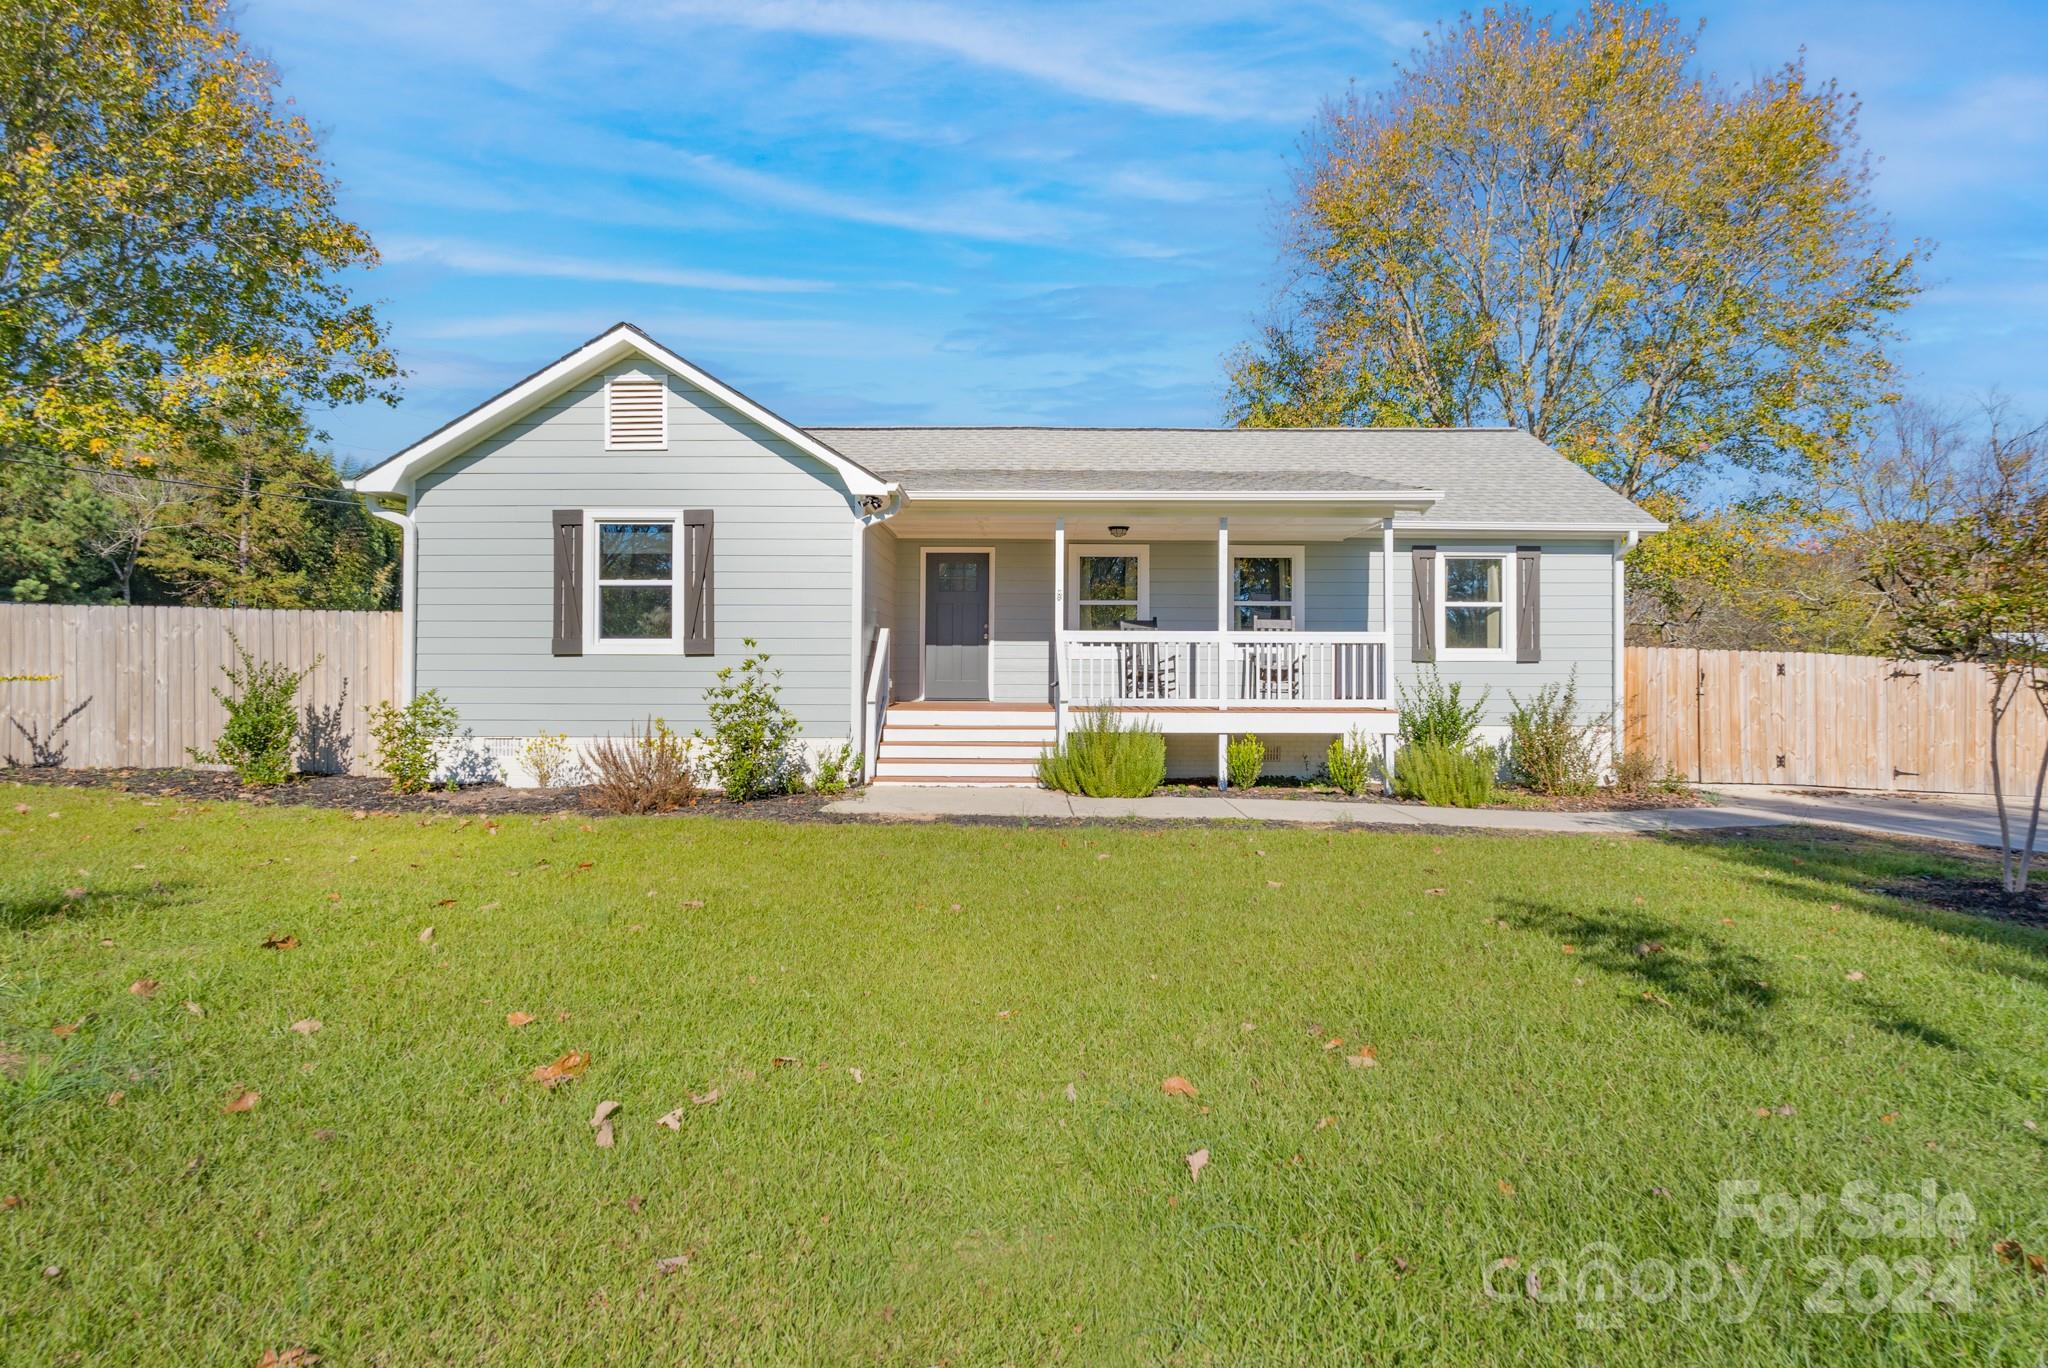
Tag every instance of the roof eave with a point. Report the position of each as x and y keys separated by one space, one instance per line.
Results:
x=1398 y=498
x=396 y=474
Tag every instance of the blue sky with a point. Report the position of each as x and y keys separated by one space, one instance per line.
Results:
x=924 y=212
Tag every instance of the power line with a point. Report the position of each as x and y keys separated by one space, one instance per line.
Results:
x=353 y=501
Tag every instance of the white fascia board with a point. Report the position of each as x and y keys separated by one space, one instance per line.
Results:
x=396 y=475
x=1505 y=529
x=1377 y=497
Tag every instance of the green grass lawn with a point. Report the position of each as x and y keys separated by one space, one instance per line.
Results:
x=970 y=1157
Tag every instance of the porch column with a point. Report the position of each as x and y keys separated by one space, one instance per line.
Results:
x=1222 y=648
x=1387 y=607
x=1059 y=631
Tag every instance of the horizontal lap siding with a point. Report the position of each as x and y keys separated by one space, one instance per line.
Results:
x=1577 y=629
x=1020 y=622
x=783 y=568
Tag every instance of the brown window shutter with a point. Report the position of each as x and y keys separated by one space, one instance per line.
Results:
x=1528 y=604
x=699 y=594
x=1422 y=560
x=568 y=581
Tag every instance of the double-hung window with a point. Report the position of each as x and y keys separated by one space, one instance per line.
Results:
x=1265 y=586
x=1476 y=588
x=636 y=582
x=1111 y=584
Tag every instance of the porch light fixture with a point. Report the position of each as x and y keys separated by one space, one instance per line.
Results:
x=1119 y=529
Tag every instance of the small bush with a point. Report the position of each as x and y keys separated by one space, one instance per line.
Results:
x=1447 y=776
x=548 y=759
x=837 y=769
x=1105 y=758
x=649 y=771
x=1351 y=763
x=1549 y=749
x=1635 y=773
x=752 y=745
x=1436 y=711
x=263 y=720
x=1244 y=760
x=409 y=739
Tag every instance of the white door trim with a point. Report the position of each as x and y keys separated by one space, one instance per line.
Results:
x=924 y=587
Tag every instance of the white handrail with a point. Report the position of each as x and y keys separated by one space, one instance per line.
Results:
x=877 y=711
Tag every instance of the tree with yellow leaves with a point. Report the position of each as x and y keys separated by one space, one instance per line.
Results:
x=1566 y=228
x=168 y=234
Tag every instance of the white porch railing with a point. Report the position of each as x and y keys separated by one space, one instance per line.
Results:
x=877 y=705
x=1224 y=669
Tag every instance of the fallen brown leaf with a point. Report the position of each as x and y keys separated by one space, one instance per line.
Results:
x=281 y=943
x=634 y=1203
x=569 y=1066
x=519 y=1019
x=1645 y=949
x=858 y=1076
x=306 y=1026
x=674 y=1263
x=674 y=1120
x=1366 y=1058
x=427 y=936
x=1507 y=1189
x=1854 y=976
x=445 y=902
x=1177 y=1086
x=298 y=1356
x=601 y=1122
x=243 y=1101
x=705 y=1099
x=1570 y=949
x=693 y=903
x=1197 y=1161
x=63 y=1029
x=1436 y=892
x=73 y=894
x=1326 y=1122
x=1072 y=1094
x=195 y=1009
x=143 y=988
x=114 y=1097
x=784 y=1061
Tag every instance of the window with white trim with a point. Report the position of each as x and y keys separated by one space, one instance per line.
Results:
x=1108 y=585
x=1474 y=589
x=636 y=581
x=1265 y=585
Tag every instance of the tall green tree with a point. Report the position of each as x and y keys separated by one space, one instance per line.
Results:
x=1568 y=229
x=168 y=236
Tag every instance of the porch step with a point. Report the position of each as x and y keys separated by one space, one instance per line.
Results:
x=989 y=744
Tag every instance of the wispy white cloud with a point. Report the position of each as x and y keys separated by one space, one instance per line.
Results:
x=1081 y=52
x=477 y=259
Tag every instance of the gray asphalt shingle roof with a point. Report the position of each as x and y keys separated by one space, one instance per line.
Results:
x=1488 y=475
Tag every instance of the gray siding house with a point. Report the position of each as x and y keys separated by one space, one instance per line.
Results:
x=587 y=548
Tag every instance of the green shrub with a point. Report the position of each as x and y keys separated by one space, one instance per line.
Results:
x=837 y=769
x=1635 y=772
x=1351 y=762
x=1437 y=712
x=753 y=742
x=409 y=739
x=1447 y=776
x=1244 y=760
x=1549 y=749
x=548 y=759
x=263 y=719
x=649 y=771
x=1106 y=758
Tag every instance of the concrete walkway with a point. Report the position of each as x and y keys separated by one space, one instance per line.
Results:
x=1963 y=820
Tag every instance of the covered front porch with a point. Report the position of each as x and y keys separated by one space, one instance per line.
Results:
x=1203 y=617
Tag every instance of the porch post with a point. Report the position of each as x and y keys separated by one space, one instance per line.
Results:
x=1059 y=631
x=1387 y=607
x=1222 y=649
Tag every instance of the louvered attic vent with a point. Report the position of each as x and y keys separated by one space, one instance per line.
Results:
x=635 y=414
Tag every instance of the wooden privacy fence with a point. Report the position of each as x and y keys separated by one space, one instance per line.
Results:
x=1825 y=721
x=133 y=686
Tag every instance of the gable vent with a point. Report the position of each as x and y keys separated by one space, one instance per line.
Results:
x=635 y=414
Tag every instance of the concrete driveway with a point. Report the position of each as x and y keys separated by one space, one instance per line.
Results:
x=1946 y=817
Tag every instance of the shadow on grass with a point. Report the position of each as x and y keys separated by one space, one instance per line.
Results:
x=1938 y=887
x=1712 y=985
x=28 y=911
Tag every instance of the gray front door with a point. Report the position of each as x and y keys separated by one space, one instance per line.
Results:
x=956 y=625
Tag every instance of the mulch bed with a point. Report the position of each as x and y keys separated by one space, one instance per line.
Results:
x=356 y=793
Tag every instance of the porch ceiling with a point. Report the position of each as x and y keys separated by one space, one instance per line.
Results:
x=1091 y=522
